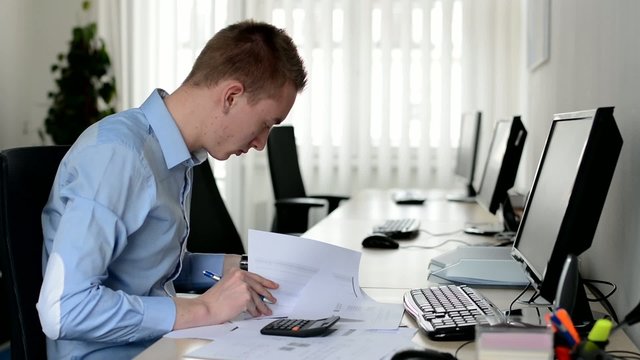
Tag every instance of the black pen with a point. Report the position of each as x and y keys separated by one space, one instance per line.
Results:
x=215 y=277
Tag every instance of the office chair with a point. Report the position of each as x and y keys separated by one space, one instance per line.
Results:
x=291 y=200
x=26 y=177
x=212 y=229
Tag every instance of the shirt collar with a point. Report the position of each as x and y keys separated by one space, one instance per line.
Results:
x=173 y=147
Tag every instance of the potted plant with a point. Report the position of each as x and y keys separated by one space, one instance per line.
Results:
x=86 y=86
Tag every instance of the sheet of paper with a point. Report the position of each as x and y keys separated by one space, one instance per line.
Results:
x=342 y=344
x=293 y=262
x=214 y=332
x=318 y=280
x=211 y=332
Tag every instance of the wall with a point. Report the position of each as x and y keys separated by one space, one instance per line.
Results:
x=594 y=61
x=32 y=33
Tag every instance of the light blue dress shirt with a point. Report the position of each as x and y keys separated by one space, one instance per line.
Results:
x=115 y=230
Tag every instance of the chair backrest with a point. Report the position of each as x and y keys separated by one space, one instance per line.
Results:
x=286 y=177
x=212 y=229
x=26 y=177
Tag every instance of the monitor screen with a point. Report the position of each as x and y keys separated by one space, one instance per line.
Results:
x=502 y=163
x=567 y=195
x=468 y=148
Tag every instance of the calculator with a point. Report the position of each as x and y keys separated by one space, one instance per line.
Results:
x=299 y=327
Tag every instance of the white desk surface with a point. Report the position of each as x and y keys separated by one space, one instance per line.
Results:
x=387 y=274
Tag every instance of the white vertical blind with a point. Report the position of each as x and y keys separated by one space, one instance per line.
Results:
x=388 y=80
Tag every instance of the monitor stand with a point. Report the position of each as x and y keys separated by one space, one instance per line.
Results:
x=570 y=293
x=510 y=222
x=468 y=197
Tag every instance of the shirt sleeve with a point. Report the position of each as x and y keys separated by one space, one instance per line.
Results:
x=103 y=191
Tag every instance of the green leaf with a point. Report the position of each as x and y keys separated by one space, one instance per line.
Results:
x=85 y=91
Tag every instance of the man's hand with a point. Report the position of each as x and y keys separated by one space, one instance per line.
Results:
x=238 y=291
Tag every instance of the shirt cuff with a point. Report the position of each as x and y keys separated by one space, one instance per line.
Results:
x=159 y=315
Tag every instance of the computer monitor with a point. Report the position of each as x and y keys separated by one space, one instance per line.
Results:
x=566 y=199
x=467 y=155
x=499 y=174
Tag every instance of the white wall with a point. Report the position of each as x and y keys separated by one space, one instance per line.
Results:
x=32 y=33
x=594 y=62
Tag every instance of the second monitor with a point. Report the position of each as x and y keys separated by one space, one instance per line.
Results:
x=499 y=175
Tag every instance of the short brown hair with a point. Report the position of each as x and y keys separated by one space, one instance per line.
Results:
x=259 y=55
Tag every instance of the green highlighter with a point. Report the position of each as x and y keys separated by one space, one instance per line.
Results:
x=599 y=334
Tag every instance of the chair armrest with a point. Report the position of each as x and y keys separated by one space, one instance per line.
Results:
x=302 y=202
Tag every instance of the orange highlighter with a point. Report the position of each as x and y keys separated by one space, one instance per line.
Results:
x=565 y=319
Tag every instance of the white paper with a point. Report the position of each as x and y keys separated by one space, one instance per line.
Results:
x=342 y=344
x=317 y=280
x=211 y=332
x=293 y=262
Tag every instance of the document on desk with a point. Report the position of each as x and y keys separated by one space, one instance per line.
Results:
x=317 y=280
x=245 y=343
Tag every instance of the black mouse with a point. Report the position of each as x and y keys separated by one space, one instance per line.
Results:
x=424 y=354
x=379 y=241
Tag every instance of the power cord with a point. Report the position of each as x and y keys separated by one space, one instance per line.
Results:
x=603 y=299
x=516 y=299
x=461 y=346
x=623 y=354
x=440 y=234
x=436 y=246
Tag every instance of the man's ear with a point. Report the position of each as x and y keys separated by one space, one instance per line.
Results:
x=232 y=91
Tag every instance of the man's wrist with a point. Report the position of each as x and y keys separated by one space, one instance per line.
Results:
x=244 y=262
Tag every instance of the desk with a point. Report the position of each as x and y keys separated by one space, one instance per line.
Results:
x=386 y=275
x=405 y=267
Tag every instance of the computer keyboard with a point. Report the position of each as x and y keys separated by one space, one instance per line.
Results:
x=451 y=312
x=399 y=228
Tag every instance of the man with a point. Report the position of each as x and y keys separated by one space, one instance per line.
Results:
x=116 y=221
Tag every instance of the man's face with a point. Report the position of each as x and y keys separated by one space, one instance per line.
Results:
x=247 y=126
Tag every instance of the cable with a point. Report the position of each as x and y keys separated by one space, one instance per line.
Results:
x=440 y=234
x=516 y=299
x=590 y=283
x=622 y=353
x=461 y=346
x=603 y=299
x=435 y=246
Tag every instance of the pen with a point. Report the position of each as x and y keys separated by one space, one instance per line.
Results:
x=212 y=276
x=215 y=277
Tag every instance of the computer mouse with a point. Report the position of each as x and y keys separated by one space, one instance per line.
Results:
x=379 y=241
x=424 y=354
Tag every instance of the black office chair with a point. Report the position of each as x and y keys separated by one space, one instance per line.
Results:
x=26 y=177
x=212 y=229
x=291 y=200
